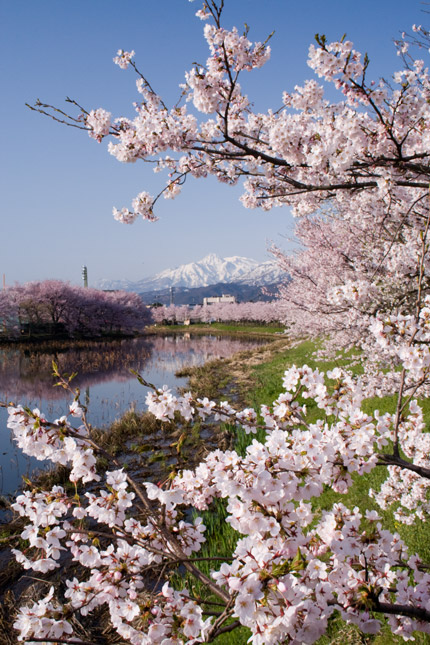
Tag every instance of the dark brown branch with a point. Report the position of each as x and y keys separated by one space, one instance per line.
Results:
x=403 y=610
x=394 y=460
x=228 y=628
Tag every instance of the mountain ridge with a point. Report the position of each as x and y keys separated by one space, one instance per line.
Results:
x=210 y=270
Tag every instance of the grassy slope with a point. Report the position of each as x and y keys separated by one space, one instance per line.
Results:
x=249 y=328
x=416 y=536
x=268 y=384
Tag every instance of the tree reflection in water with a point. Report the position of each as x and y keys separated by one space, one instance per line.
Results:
x=104 y=377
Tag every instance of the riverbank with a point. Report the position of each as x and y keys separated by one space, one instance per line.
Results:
x=250 y=377
x=233 y=329
x=150 y=450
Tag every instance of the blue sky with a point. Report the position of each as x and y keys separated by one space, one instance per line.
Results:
x=59 y=186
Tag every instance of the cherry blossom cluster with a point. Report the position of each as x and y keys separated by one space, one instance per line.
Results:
x=405 y=337
x=355 y=270
x=142 y=205
x=123 y=59
x=99 y=123
x=42 y=619
x=54 y=441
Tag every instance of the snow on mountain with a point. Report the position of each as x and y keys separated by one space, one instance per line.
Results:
x=264 y=273
x=210 y=270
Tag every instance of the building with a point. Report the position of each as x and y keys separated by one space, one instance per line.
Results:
x=216 y=299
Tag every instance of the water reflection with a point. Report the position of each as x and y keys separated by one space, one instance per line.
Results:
x=104 y=377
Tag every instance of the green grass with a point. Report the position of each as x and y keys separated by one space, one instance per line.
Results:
x=416 y=537
x=269 y=375
x=247 y=328
x=221 y=540
x=219 y=533
x=228 y=328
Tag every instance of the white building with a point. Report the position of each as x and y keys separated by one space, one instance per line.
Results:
x=215 y=299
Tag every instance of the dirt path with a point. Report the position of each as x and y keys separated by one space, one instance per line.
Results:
x=232 y=377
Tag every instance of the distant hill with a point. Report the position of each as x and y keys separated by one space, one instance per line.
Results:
x=245 y=278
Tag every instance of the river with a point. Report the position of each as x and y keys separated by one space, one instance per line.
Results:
x=104 y=378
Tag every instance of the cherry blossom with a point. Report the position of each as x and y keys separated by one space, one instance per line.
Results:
x=123 y=59
x=56 y=308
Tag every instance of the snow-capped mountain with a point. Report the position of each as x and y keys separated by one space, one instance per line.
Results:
x=210 y=270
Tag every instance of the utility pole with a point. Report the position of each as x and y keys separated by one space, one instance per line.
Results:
x=4 y=288
x=85 y=275
x=172 y=289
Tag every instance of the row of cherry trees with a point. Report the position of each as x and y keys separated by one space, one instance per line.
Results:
x=356 y=172
x=261 y=312
x=53 y=307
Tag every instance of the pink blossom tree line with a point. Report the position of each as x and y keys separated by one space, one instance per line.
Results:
x=54 y=307
x=357 y=173
x=259 y=312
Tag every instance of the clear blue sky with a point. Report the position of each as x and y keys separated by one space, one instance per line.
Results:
x=59 y=187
